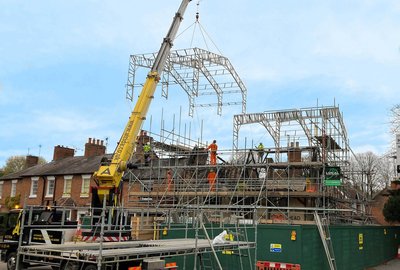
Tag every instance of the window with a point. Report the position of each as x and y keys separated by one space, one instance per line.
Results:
x=13 y=188
x=50 y=186
x=85 y=185
x=34 y=187
x=1 y=189
x=81 y=215
x=67 y=214
x=67 y=185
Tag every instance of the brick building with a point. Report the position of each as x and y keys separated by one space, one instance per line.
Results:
x=379 y=201
x=65 y=181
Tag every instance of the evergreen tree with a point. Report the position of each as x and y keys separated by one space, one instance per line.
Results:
x=391 y=209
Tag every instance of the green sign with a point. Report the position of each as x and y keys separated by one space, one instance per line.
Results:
x=332 y=176
x=333 y=183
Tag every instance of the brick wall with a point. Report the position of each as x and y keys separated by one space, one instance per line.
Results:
x=76 y=188
x=6 y=192
x=25 y=189
x=376 y=209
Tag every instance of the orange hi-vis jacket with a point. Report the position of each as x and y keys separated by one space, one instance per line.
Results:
x=213 y=147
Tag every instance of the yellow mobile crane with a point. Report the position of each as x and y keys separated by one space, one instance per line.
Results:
x=108 y=176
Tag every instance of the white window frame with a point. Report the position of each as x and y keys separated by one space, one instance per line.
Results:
x=1 y=189
x=67 y=193
x=34 y=187
x=67 y=214
x=13 y=191
x=85 y=178
x=50 y=179
x=80 y=215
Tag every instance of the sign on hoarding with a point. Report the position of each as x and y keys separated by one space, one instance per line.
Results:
x=360 y=241
x=275 y=248
x=332 y=176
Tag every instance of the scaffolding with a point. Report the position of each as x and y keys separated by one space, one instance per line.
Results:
x=321 y=128
x=177 y=194
x=285 y=184
x=201 y=74
x=149 y=230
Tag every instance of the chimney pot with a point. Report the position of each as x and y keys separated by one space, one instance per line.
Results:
x=98 y=142
x=102 y=142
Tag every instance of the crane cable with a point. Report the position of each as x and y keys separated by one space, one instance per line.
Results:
x=202 y=30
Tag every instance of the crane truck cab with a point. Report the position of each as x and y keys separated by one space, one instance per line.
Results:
x=36 y=225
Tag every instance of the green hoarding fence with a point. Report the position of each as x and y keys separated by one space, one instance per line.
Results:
x=355 y=247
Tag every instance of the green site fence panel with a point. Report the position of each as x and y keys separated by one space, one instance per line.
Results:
x=355 y=247
x=274 y=243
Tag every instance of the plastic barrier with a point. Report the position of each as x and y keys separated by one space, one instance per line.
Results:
x=171 y=265
x=265 y=265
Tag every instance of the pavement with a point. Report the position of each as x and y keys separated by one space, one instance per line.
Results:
x=390 y=265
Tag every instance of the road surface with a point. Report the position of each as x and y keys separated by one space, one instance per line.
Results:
x=390 y=265
x=3 y=266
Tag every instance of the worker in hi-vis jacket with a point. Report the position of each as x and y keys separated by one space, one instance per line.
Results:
x=213 y=152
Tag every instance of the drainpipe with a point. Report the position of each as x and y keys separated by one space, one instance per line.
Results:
x=43 y=190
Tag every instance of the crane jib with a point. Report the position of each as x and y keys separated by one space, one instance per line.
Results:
x=123 y=141
x=109 y=175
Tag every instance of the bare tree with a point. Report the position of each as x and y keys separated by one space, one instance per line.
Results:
x=386 y=171
x=395 y=119
x=354 y=173
x=365 y=173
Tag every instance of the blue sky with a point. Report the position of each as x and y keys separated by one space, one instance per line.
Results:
x=64 y=64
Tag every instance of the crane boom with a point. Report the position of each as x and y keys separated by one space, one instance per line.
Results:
x=108 y=176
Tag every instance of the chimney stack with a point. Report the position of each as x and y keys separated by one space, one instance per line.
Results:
x=94 y=148
x=31 y=161
x=61 y=152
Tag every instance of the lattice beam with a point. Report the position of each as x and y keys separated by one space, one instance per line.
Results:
x=202 y=74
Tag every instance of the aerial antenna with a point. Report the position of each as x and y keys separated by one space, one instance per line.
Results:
x=40 y=148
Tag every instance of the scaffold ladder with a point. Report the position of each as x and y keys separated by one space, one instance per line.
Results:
x=323 y=228
x=206 y=262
